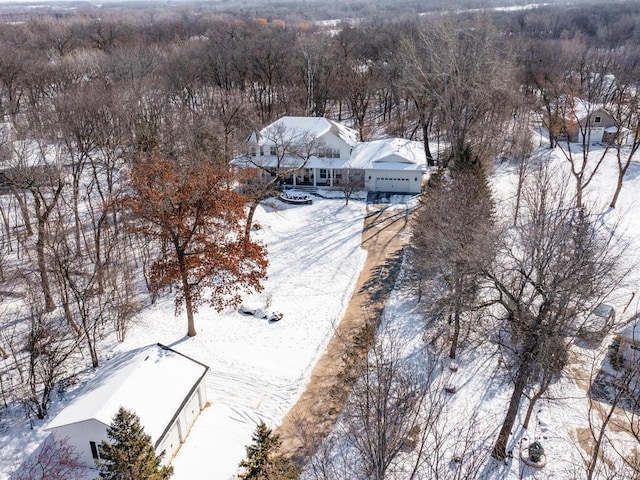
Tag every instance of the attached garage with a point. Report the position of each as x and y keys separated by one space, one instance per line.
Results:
x=394 y=165
x=394 y=184
x=163 y=387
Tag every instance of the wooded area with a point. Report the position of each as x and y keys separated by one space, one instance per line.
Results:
x=119 y=127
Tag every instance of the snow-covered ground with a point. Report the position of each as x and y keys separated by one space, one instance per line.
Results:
x=483 y=392
x=258 y=369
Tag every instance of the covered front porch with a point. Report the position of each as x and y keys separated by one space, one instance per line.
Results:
x=315 y=177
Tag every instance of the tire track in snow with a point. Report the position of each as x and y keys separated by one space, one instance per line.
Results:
x=248 y=397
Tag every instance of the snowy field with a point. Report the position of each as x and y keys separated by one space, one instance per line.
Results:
x=257 y=369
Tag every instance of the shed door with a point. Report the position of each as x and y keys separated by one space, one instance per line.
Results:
x=392 y=184
x=171 y=441
x=191 y=410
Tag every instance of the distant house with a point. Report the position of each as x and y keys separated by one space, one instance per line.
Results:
x=317 y=152
x=629 y=348
x=164 y=388
x=585 y=122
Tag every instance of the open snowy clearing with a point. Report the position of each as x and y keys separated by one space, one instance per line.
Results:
x=257 y=368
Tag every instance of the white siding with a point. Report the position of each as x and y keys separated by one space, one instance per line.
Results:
x=331 y=141
x=79 y=435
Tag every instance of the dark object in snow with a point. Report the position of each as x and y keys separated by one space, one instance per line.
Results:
x=296 y=198
x=453 y=366
x=535 y=456
x=450 y=388
x=260 y=313
x=247 y=309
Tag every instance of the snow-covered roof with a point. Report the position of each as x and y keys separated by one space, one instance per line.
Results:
x=269 y=161
x=389 y=154
x=314 y=127
x=580 y=109
x=151 y=381
x=631 y=332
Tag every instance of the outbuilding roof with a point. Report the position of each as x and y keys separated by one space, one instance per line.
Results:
x=153 y=382
x=389 y=154
x=631 y=332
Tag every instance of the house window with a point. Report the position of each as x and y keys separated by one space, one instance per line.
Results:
x=273 y=151
x=262 y=151
x=597 y=120
x=323 y=173
x=329 y=152
x=94 y=450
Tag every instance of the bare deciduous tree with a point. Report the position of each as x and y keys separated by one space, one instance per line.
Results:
x=552 y=269
x=285 y=152
x=55 y=460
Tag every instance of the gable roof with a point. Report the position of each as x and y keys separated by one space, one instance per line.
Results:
x=312 y=126
x=579 y=109
x=151 y=381
x=389 y=154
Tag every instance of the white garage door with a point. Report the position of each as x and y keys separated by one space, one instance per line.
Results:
x=191 y=410
x=393 y=184
x=595 y=135
x=171 y=442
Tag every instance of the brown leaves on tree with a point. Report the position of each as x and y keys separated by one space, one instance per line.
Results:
x=190 y=209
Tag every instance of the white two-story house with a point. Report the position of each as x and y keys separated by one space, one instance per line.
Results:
x=318 y=152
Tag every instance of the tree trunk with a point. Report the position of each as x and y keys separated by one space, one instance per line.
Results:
x=42 y=267
x=521 y=178
x=247 y=227
x=456 y=332
x=24 y=212
x=186 y=289
x=425 y=139
x=595 y=453
x=499 y=451
x=614 y=200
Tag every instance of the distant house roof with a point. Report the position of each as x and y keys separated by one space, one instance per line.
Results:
x=631 y=333
x=579 y=109
x=315 y=127
x=152 y=382
x=389 y=154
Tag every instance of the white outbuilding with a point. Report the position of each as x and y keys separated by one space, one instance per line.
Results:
x=629 y=347
x=163 y=387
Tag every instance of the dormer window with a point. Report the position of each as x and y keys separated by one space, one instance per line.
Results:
x=597 y=120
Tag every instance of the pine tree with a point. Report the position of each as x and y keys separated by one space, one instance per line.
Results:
x=263 y=460
x=130 y=455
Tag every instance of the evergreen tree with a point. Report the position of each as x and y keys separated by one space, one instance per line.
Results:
x=130 y=456
x=263 y=460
